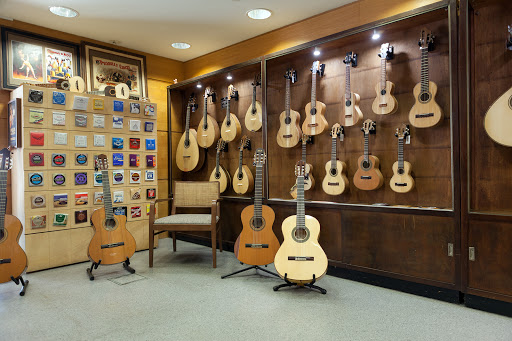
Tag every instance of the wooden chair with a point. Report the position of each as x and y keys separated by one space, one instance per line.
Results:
x=189 y=194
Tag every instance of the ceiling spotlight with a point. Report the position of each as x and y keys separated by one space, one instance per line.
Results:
x=181 y=46
x=259 y=13
x=199 y=86
x=375 y=35
x=229 y=77
x=65 y=12
x=316 y=52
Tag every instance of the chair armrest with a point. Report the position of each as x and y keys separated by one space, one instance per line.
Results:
x=215 y=211
x=152 y=208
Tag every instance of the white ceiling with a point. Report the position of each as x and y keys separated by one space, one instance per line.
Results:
x=152 y=25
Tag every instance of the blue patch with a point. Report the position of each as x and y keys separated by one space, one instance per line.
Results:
x=118 y=106
x=117 y=142
x=150 y=144
x=117 y=159
x=59 y=98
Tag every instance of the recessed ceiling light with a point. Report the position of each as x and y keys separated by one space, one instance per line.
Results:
x=229 y=77
x=316 y=52
x=259 y=13
x=376 y=35
x=181 y=46
x=63 y=11
x=199 y=86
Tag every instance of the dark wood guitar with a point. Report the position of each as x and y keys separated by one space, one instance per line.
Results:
x=368 y=176
x=257 y=244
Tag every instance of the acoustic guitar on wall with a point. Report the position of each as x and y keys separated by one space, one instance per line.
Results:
x=220 y=174
x=401 y=181
x=499 y=118
x=208 y=129
x=300 y=259
x=425 y=112
x=315 y=122
x=289 y=133
x=385 y=103
x=257 y=244
x=253 y=116
x=243 y=181
x=230 y=129
x=368 y=176
x=189 y=157
x=335 y=181
x=352 y=112
x=309 y=180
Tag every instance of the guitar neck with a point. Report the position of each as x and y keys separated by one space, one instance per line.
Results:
x=333 y=153
x=107 y=199
x=3 y=197
x=400 y=153
x=228 y=114
x=187 y=124
x=254 y=98
x=258 y=197
x=313 y=90
x=347 y=81
x=383 y=73
x=301 y=210
x=217 y=160
x=240 y=158
x=424 y=70
x=366 y=139
x=205 y=113
x=304 y=152
x=287 y=98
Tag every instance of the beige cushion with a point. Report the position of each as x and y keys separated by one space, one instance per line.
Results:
x=183 y=219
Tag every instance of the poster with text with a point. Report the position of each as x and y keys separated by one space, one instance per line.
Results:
x=110 y=72
x=27 y=61
x=59 y=65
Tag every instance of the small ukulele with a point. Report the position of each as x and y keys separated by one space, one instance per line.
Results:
x=243 y=181
x=352 y=112
x=315 y=122
x=368 y=176
x=425 y=112
x=230 y=129
x=309 y=180
x=335 y=181
x=385 y=103
x=253 y=115
x=257 y=244
x=401 y=181
x=289 y=133
x=208 y=129
x=499 y=118
x=220 y=174
x=189 y=157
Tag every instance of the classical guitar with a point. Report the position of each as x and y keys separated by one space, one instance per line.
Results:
x=498 y=118
x=243 y=181
x=315 y=122
x=425 y=112
x=257 y=244
x=385 y=103
x=309 y=180
x=352 y=112
x=368 y=176
x=13 y=260
x=220 y=174
x=335 y=181
x=189 y=157
x=111 y=243
x=401 y=181
x=208 y=129
x=300 y=259
x=289 y=133
x=230 y=129
x=253 y=115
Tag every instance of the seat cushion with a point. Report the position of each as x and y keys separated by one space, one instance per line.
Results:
x=184 y=219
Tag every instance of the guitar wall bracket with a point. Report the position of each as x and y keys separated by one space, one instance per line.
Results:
x=509 y=38
x=94 y=266
x=309 y=285
x=24 y=284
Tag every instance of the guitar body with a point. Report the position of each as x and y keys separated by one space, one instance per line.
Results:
x=102 y=236
x=352 y=112
x=289 y=134
x=368 y=177
x=427 y=113
x=315 y=124
x=11 y=249
x=246 y=183
x=309 y=181
x=385 y=103
x=402 y=183
x=335 y=184
x=498 y=118
x=207 y=137
x=259 y=235
x=189 y=158
x=223 y=178
x=232 y=131
x=253 y=120
x=301 y=272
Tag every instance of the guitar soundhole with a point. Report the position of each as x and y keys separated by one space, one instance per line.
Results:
x=240 y=176
x=228 y=124
x=254 y=111
x=288 y=120
x=3 y=235
x=217 y=176
x=205 y=126
x=348 y=103
x=424 y=97
x=313 y=111
x=510 y=102
x=334 y=171
x=366 y=164
x=401 y=171
x=110 y=224
x=257 y=224
x=187 y=144
x=300 y=234
x=383 y=92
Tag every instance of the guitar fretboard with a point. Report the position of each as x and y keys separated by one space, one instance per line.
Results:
x=333 y=152
x=3 y=197
x=347 y=81
x=187 y=126
x=205 y=113
x=424 y=70
x=240 y=159
x=217 y=164
x=400 y=153
x=313 y=90
x=228 y=115
x=366 y=140
x=301 y=211
x=287 y=98
x=107 y=199
x=258 y=188
x=383 y=73
x=254 y=98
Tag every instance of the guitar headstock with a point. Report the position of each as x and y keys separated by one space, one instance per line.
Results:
x=350 y=59
x=5 y=159
x=368 y=126
x=300 y=168
x=221 y=145
x=257 y=80
x=386 y=51
x=336 y=130
x=426 y=39
x=305 y=139
x=509 y=38
x=209 y=92
x=245 y=143
x=192 y=101
x=291 y=74
x=318 y=68
x=259 y=157
x=232 y=92
x=102 y=162
x=402 y=131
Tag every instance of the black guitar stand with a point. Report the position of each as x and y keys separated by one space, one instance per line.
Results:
x=249 y=268
x=24 y=284
x=309 y=285
x=94 y=265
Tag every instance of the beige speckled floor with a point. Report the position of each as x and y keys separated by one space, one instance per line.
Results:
x=183 y=298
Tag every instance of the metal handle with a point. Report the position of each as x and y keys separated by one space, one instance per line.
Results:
x=472 y=253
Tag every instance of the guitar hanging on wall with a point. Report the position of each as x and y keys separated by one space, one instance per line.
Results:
x=401 y=181
x=498 y=119
x=335 y=181
x=425 y=112
x=289 y=133
x=230 y=129
x=243 y=181
x=208 y=129
x=189 y=157
x=385 y=103
x=352 y=112
x=315 y=122
x=220 y=174
x=253 y=116
x=309 y=180
x=368 y=176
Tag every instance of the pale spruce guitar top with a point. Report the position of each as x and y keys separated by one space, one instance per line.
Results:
x=498 y=119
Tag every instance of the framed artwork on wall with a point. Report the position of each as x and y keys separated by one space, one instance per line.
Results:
x=31 y=58
x=14 y=123
x=106 y=66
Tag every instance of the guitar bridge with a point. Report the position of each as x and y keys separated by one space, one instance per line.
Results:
x=313 y=125
x=366 y=177
x=299 y=258
x=287 y=136
x=401 y=184
x=110 y=246
x=5 y=261
x=333 y=183
x=383 y=105
x=430 y=114
x=257 y=246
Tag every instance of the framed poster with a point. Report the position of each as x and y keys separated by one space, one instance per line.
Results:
x=31 y=58
x=14 y=123
x=106 y=66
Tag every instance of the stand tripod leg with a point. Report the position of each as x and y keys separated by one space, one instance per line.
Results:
x=126 y=265
x=309 y=285
x=239 y=271
x=94 y=265
x=24 y=284
x=265 y=270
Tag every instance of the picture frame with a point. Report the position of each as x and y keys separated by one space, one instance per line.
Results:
x=107 y=66
x=14 y=133
x=36 y=59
